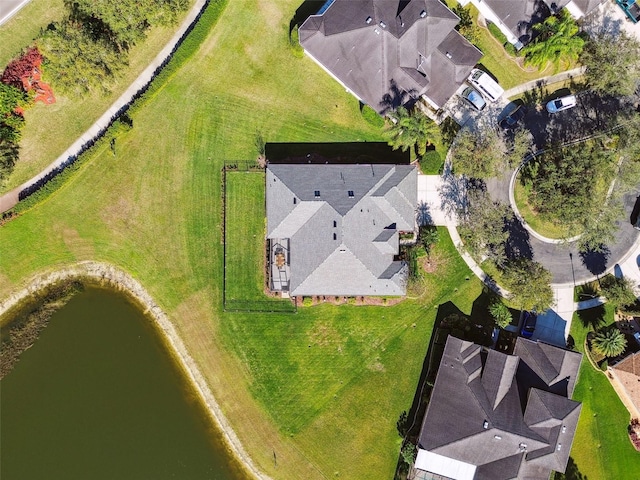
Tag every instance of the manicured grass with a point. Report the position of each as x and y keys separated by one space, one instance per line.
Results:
x=51 y=129
x=601 y=447
x=323 y=388
x=245 y=244
x=19 y=32
x=543 y=226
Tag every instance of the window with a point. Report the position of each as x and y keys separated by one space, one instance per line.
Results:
x=335 y=237
x=350 y=192
x=295 y=200
x=335 y=224
x=316 y=193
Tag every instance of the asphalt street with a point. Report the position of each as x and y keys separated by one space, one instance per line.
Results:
x=564 y=261
x=8 y=8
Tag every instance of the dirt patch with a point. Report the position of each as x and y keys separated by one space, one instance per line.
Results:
x=437 y=261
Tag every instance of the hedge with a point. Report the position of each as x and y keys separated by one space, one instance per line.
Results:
x=194 y=37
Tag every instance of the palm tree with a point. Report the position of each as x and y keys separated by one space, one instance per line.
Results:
x=557 y=39
x=410 y=130
x=610 y=342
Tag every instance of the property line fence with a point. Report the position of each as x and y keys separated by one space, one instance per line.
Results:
x=251 y=305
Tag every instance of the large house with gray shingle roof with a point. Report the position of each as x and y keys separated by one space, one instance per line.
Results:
x=334 y=229
x=390 y=52
x=494 y=416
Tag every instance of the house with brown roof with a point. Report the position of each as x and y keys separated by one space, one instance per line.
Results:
x=389 y=53
x=626 y=381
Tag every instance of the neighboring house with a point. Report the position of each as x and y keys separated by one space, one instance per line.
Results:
x=495 y=416
x=515 y=18
x=626 y=375
x=390 y=52
x=334 y=229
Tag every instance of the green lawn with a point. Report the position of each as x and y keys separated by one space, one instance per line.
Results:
x=601 y=447
x=320 y=388
x=245 y=244
x=19 y=32
x=51 y=129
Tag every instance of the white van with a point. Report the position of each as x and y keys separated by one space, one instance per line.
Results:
x=485 y=84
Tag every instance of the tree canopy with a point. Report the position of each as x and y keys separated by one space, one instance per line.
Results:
x=11 y=123
x=619 y=291
x=612 y=64
x=529 y=283
x=500 y=313
x=557 y=39
x=479 y=154
x=411 y=129
x=483 y=226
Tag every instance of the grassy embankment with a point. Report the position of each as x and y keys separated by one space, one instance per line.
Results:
x=322 y=388
x=319 y=391
x=601 y=448
x=51 y=129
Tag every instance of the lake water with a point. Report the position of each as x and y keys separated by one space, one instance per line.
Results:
x=98 y=397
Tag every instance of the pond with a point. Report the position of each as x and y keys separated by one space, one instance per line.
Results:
x=99 y=397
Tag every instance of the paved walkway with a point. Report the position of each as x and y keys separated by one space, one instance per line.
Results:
x=8 y=8
x=10 y=199
x=540 y=82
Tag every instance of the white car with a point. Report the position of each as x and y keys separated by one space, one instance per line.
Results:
x=562 y=103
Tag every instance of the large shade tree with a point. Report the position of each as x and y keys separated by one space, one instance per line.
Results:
x=410 y=129
x=529 y=283
x=610 y=342
x=612 y=64
x=557 y=38
x=479 y=154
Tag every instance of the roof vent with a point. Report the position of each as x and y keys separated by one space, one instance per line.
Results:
x=377 y=31
x=316 y=193
x=485 y=425
x=497 y=437
x=350 y=192
x=369 y=20
x=423 y=13
x=382 y=24
x=564 y=428
x=559 y=446
x=448 y=55
x=523 y=447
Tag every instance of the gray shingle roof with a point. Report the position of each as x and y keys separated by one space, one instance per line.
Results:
x=384 y=49
x=478 y=413
x=343 y=240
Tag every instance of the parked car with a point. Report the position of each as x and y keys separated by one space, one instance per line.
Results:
x=562 y=103
x=528 y=324
x=486 y=85
x=474 y=98
x=636 y=336
x=511 y=120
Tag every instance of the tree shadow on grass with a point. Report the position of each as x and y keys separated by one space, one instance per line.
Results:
x=593 y=318
x=308 y=7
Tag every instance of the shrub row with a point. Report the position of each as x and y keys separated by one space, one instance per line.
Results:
x=184 y=49
x=501 y=37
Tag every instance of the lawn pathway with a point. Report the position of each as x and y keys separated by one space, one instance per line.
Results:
x=10 y=199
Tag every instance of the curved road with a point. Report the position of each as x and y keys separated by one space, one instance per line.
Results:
x=564 y=261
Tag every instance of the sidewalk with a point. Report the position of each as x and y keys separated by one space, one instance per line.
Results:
x=10 y=199
x=560 y=77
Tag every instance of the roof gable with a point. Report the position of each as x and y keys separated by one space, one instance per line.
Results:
x=382 y=50
x=337 y=223
x=477 y=415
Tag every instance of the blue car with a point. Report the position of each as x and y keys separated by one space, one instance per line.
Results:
x=529 y=324
x=474 y=98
